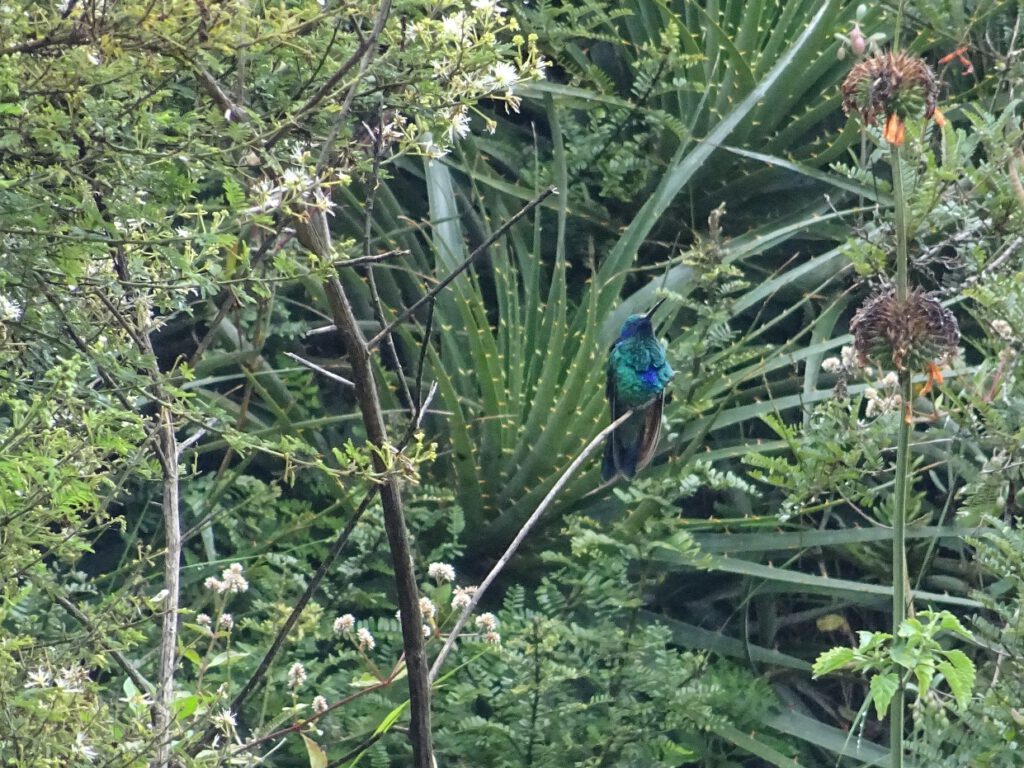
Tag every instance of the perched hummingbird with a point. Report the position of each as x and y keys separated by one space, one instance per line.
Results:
x=637 y=376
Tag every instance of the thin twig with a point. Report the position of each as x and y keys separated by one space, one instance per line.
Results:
x=495 y=236
x=328 y=86
x=318 y=369
x=119 y=658
x=453 y=635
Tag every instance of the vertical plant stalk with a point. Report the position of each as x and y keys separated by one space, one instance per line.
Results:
x=167 y=450
x=900 y=597
x=394 y=525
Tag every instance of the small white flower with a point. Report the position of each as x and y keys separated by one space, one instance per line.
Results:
x=878 y=405
x=227 y=621
x=458 y=128
x=214 y=584
x=492 y=637
x=427 y=608
x=138 y=700
x=487 y=622
x=427 y=631
x=9 y=310
x=490 y=7
x=319 y=704
x=463 y=596
x=890 y=380
x=224 y=721
x=81 y=748
x=296 y=180
x=442 y=573
x=850 y=358
x=832 y=365
x=366 y=641
x=72 y=679
x=540 y=68
x=504 y=76
x=203 y=620
x=296 y=675
x=454 y=24
x=1002 y=329
x=344 y=624
x=38 y=678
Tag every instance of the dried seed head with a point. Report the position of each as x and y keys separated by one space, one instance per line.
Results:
x=889 y=84
x=912 y=334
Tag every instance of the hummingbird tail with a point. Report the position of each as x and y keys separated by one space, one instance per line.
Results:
x=630 y=448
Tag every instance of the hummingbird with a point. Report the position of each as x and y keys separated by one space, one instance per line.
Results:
x=637 y=376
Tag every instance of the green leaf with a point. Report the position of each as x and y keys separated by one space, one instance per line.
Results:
x=883 y=688
x=924 y=672
x=959 y=672
x=226 y=656
x=832 y=659
x=951 y=623
x=317 y=757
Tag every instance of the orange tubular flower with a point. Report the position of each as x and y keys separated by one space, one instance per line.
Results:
x=895 y=130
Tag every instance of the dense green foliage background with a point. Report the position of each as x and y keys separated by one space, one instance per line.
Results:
x=163 y=170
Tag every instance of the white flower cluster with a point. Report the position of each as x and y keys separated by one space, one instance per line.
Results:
x=461 y=48
x=1002 y=329
x=848 y=362
x=231 y=580
x=442 y=573
x=296 y=675
x=488 y=622
x=344 y=625
x=885 y=401
x=463 y=597
x=365 y=639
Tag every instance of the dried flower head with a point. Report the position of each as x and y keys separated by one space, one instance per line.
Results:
x=915 y=334
x=427 y=608
x=890 y=87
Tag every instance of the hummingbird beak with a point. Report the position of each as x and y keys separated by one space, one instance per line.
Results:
x=652 y=310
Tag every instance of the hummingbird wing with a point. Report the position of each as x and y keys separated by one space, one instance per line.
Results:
x=623 y=452
x=650 y=432
x=609 y=465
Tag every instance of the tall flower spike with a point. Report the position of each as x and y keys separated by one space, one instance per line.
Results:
x=888 y=88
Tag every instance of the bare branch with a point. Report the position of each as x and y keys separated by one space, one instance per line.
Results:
x=394 y=526
x=167 y=451
x=449 y=642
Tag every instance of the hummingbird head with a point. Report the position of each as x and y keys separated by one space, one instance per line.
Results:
x=639 y=325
